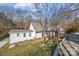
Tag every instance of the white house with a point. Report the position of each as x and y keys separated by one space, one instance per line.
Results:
x=35 y=31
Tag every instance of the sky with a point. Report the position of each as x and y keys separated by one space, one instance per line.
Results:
x=39 y=1
x=31 y=10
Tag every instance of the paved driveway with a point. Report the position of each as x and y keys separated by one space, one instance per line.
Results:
x=3 y=42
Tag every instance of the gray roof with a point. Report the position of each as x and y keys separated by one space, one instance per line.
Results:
x=15 y=31
x=37 y=26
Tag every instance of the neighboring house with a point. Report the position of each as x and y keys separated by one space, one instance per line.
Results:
x=35 y=31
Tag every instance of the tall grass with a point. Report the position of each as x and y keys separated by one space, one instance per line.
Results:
x=29 y=49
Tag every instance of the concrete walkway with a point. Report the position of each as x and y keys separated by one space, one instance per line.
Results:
x=3 y=42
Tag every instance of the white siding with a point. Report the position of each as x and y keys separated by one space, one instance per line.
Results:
x=53 y=33
x=14 y=38
x=50 y=33
x=31 y=28
x=38 y=35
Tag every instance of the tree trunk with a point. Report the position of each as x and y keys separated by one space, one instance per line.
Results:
x=45 y=37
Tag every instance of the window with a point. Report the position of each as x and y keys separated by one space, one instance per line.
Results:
x=24 y=34
x=17 y=34
x=29 y=34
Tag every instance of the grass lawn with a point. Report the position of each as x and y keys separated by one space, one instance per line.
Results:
x=29 y=48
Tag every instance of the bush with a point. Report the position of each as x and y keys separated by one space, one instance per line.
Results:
x=73 y=27
x=70 y=30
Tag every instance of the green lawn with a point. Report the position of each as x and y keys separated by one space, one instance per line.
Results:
x=29 y=48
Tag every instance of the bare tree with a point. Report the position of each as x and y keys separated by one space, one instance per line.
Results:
x=23 y=21
x=52 y=15
x=43 y=12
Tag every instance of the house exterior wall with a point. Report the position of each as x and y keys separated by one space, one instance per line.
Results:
x=35 y=34
x=39 y=34
x=14 y=38
x=31 y=28
x=53 y=33
x=50 y=33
